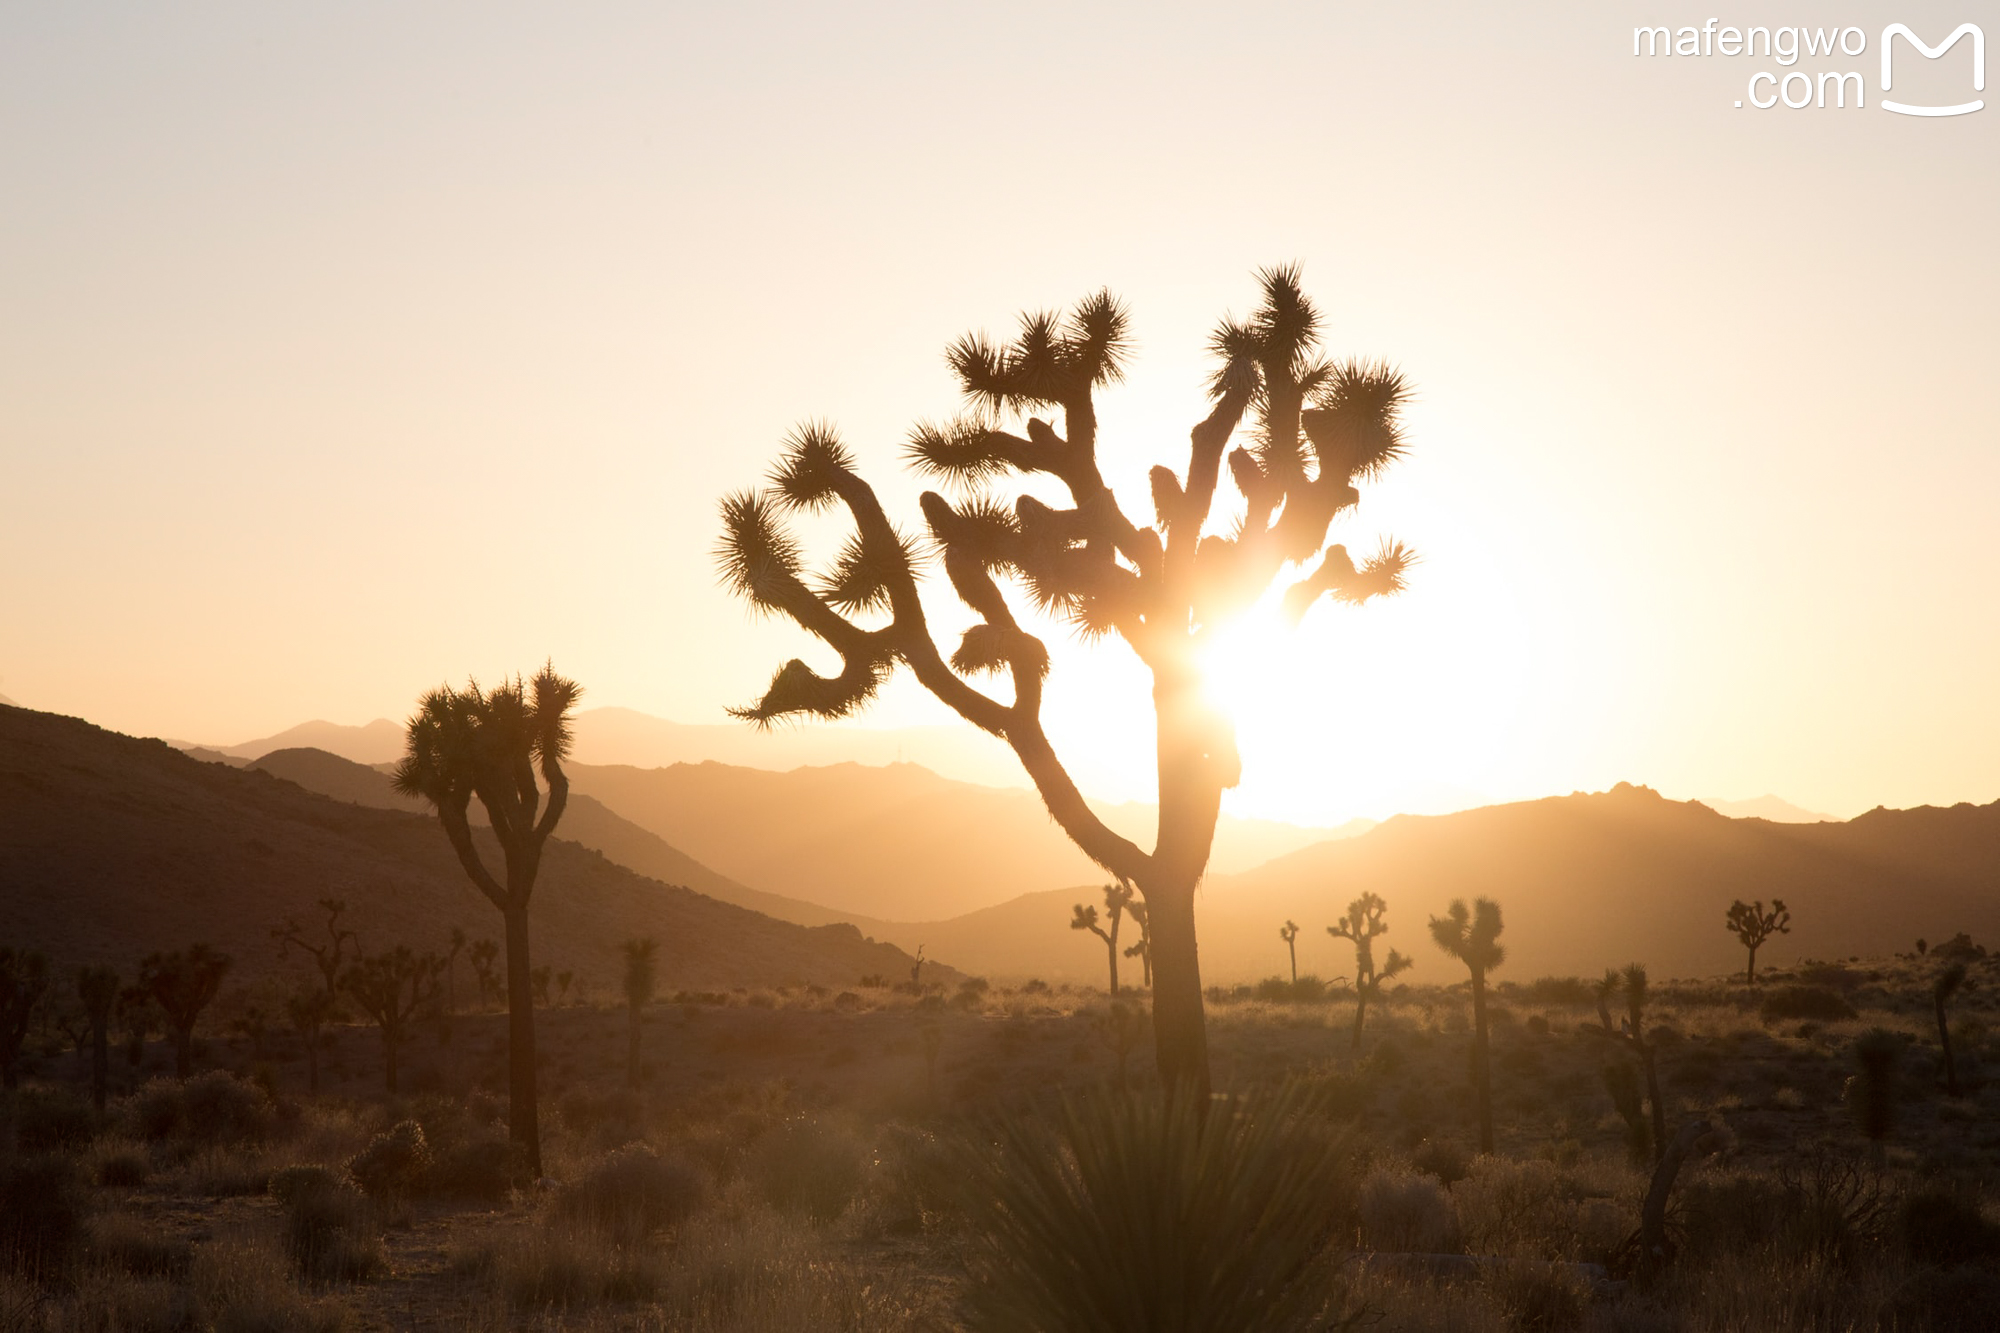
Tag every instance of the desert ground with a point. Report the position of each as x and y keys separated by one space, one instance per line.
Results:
x=798 y=1159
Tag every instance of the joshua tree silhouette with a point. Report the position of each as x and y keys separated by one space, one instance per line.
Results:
x=1117 y=898
x=392 y=988
x=1473 y=938
x=182 y=983
x=639 y=982
x=309 y=1011
x=1169 y=590
x=24 y=979
x=1289 y=933
x=1631 y=1031
x=1942 y=989
x=327 y=957
x=1753 y=925
x=1141 y=948
x=97 y=987
x=491 y=744
x=1363 y=924
x=485 y=956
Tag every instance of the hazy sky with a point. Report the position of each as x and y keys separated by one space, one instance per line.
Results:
x=351 y=347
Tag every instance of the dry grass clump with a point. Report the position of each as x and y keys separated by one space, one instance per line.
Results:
x=329 y=1227
x=1404 y=1211
x=542 y=1267
x=630 y=1194
x=215 y=1107
x=124 y=1243
x=118 y=1164
x=41 y=1215
x=809 y=1167
x=1533 y=1209
x=243 y=1285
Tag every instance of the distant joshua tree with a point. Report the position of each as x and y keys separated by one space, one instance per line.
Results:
x=327 y=957
x=1365 y=922
x=491 y=744
x=917 y=970
x=563 y=980
x=485 y=956
x=1289 y=933
x=1473 y=937
x=309 y=1010
x=1942 y=989
x=392 y=988
x=1117 y=898
x=1871 y=1093
x=1750 y=923
x=538 y=981
x=1631 y=1031
x=640 y=981
x=458 y=942
x=1141 y=948
x=24 y=980
x=182 y=984
x=1169 y=590
x=97 y=988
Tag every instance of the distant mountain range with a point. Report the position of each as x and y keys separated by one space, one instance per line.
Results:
x=111 y=847
x=1773 y=808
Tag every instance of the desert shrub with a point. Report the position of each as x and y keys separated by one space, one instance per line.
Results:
x=394 y=1162
x=1944 y=1228
x=129 y=1244
x=1134 y=1212
x=244 y=1288
x=1832 y=1204
x=327 y=1233
x=1442 y=1158
x=121 y=1305
x=809 y=1168
x=41 y=1214
x=1816 y=1003
x=1387 y=1057
x=1728 y=1214
x=52 y=1120
x=215 y=1107
x=1574 y=992
x=610 y=1121
x=1406 y=1212
x=480 y=1169
x=120 y=1165
x=630 y=1194
x=1835 y=976
x=1953 y=1300
x=552 y=1267
x=1528 y=1209
x=1539 y=1298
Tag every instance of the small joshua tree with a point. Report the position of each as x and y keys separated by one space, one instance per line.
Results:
x=1289 y=933
x=563 y=980
x=1631 y=1032
x=309 y=1011
x=1117 y=897
x=1871 y=1093
x=451 y=970
x=182 y=983
x=1141 y=948
x=97 y=988
x=485 y=956
x=327 y=957
x=492 y=744
x=1365 y=922
x=1169 y=584
x=1942 y=989
x=640 y=981
x=538 y=981
x=24 y=979
x=1473 y=937
x=392 y=988
x=1750 y=923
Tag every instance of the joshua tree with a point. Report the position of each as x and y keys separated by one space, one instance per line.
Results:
x=309 y=1011
x=1289 y=933
x=1473 y=938
x=538 y=982
x=24 y=979
x=1753 y=925
x=491 y=744
x=1946 y=986
x=97 y=988
x=640 y=980
x=391 y=988
x=1117 y=897
x=327 y=957
x=1871 y=1093
x=1170 y=590
x=563 y=980
x=1363 y=924
x=451 y=970
x=917 y=970
x=1141 y=948
x=182 y=983
x=1631 y=1031
x=485 y=956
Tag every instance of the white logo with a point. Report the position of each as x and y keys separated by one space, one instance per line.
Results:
x=1889 y=35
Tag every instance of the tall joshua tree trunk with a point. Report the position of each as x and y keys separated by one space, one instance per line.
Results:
x=1482 y=1067
x=522 y=1115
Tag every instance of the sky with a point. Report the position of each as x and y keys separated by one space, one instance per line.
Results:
x=351 y=348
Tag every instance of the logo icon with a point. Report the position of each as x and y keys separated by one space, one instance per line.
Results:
x=1894 y=30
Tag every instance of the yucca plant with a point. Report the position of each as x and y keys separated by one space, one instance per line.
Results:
x=1119 y=1213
